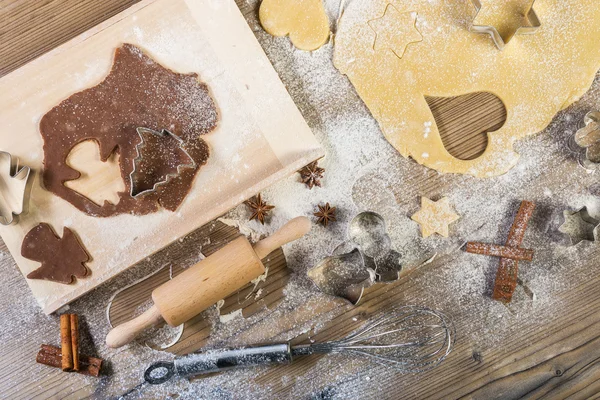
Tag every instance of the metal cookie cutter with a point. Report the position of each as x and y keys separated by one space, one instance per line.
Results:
x=371 y=260
x=588 y=137
x=14 y=188
x=531 y=18
x=580 y=226
x=164 y=133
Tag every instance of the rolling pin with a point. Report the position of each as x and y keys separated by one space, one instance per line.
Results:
x=204 y=284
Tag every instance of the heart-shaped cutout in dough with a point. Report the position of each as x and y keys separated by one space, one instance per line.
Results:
x=305 y=21
x=465 y=121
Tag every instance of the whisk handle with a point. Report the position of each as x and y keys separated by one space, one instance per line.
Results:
x=219 y=360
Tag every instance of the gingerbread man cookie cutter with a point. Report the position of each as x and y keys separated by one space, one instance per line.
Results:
x=163 y=133
x=531 y=18
x=371 y=260
x=15 y=187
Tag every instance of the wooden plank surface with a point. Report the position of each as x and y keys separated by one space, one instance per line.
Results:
x=554 y=358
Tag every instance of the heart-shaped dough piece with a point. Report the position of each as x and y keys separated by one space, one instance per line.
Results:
x=305 y=21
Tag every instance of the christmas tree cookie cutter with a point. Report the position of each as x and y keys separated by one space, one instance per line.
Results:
x=140 y=157
x=15 y=187
x=531 y=18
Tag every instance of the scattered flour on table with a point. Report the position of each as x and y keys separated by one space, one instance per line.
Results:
x=363 y=172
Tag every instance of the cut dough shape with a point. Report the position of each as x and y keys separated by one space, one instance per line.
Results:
x=61 y=258
x=305 y=21
x=535 y=76
x=435 y=216
x=138 y=92
x=99 y=181
x=394 y=31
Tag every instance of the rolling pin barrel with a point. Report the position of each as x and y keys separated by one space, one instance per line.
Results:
x=204 y=284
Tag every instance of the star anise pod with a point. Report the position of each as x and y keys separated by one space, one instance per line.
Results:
x=311 y=174
x=325 y=214
x=260 y=209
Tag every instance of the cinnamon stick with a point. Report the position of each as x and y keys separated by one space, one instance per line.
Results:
x=65 y=343
x=506 y=277
x=75 y=340
x=514 y=253
x=51 y=356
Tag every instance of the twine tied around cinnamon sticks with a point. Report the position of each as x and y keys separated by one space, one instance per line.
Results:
x=67 y=357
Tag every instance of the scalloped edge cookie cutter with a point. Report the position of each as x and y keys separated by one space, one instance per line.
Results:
x=21 y=173
x=531 y=17
x=592 y=117
x=139 y=157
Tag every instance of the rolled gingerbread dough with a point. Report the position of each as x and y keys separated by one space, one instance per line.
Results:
x=535 y=75
x=138 y=92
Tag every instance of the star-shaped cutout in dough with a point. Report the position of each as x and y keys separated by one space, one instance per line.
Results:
x=579 y=225
x=394 y=31
x=503 y=19
x=435 y=216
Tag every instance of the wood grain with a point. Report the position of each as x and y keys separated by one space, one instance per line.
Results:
x=556 y=359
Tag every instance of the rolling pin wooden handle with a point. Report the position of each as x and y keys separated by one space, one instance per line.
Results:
x=293 y=230
x=125 y=333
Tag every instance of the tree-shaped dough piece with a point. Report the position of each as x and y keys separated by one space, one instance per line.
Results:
x=61 y=259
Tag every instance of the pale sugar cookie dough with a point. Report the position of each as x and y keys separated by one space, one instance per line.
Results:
x=305 y=21
x=435 y=217
x=535 y=75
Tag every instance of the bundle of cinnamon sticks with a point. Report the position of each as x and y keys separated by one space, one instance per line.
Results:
x=67 y=357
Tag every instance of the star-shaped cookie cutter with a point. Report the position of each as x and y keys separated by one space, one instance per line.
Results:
x=531 y=17
x=580 y=226
x=139 y=157
x=17 y=197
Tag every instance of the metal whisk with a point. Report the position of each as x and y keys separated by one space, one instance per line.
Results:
x=411 y=339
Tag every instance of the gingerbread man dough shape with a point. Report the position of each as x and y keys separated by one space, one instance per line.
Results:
x=535 y=75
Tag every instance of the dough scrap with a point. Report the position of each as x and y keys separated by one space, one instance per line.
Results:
x=138 y=92
x=535 y=75
x=435 y=216
x=61 y=258
x=305 y=21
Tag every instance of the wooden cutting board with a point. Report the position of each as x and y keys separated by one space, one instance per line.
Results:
x=261 y=137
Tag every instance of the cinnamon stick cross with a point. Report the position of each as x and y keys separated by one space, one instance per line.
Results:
x=510 y=254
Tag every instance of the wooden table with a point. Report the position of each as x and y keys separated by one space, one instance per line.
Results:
x=554 y=357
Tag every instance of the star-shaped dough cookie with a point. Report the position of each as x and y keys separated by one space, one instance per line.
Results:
x=502 y=19
x=395 y=31
x=435 y=216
